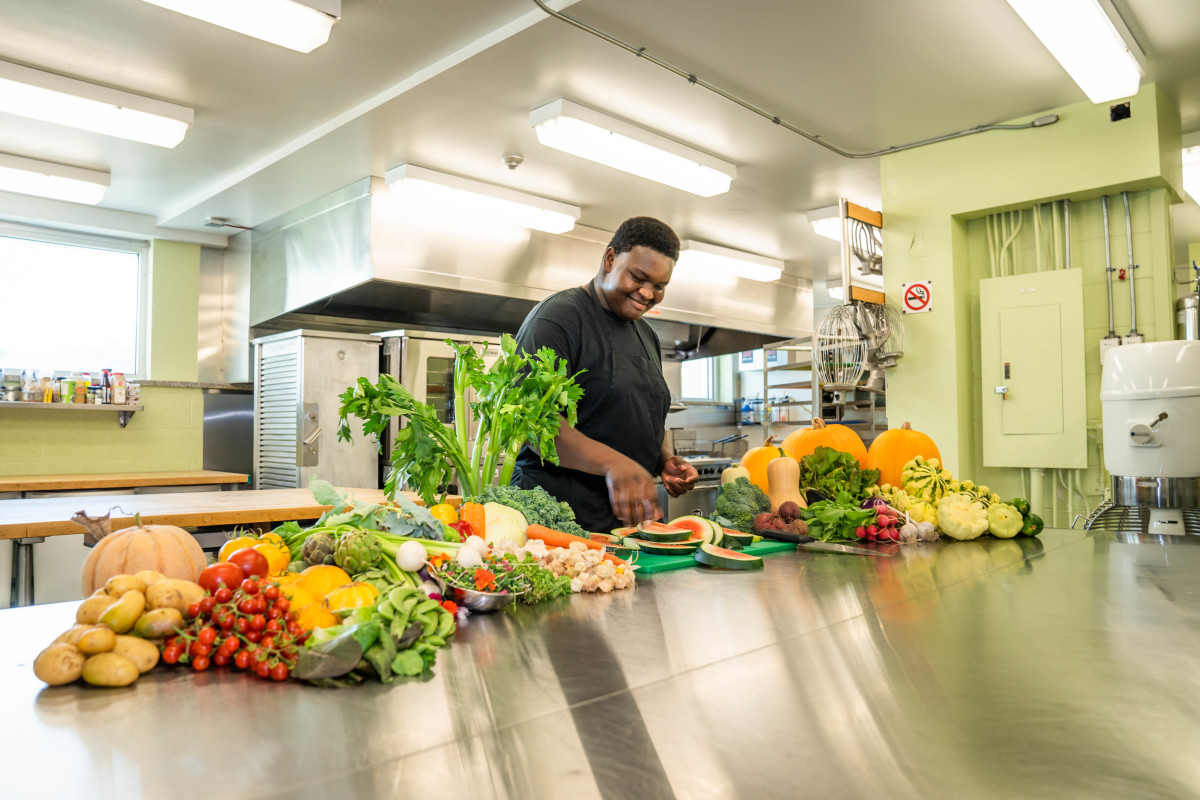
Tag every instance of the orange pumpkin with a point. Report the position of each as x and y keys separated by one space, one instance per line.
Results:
x=894 y=448
x=315 y=616
x=322 y=579
x=166 y=549
x=805 y=441
x=756 y=459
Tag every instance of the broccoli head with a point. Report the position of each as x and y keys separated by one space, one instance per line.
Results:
x=740 y=502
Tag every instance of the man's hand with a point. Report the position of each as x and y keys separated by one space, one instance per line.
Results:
x=678 y=476
x=631 y=492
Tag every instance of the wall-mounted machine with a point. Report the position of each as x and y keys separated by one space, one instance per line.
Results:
x=1150 y=394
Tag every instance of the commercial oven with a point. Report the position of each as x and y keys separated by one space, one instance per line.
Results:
x=702 y=499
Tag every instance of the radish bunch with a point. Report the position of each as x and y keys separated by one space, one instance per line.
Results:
x=886 y=527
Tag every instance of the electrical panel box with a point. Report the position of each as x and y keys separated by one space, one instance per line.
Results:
x=1032 y=346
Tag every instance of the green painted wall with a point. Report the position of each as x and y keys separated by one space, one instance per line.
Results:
x=168 y=435
x=174 y=310
x=931 y=198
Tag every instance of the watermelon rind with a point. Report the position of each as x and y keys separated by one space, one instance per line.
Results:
x=623 y=532
x=605 y=538
x=743 y=539
x=713 y=556
x=658 y=532
x=664 y=548
x=708 y=530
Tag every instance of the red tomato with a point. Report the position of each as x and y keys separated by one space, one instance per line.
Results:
x=220 y=659
x=283 y=604
x=207 y=635
x=228 y=574
x=263 y=669
x=271 y=592
x=242 y=659
x=172 y=653
x=223 y=595
x=200 y=664
x=249 y=587
x=279 y=672
x=251 y=562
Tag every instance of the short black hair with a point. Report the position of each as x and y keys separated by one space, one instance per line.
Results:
x=646 y=232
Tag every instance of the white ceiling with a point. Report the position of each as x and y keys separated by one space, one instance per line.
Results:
x=449 y=85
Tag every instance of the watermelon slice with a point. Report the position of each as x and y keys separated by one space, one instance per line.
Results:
x=605 y=538
x=713 y=556
x=707 y=530
x=663 y=548
x=658 y=532
x=743 y=539
x=623 y=532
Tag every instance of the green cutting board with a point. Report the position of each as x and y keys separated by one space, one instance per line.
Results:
x=649 y=565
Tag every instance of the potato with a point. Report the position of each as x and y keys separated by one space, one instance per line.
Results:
x=97 y=639
x=173 y=593
x=100 y=593
x=59 y=664
x=142 y=653
x=71 y=635
x=123 y=614
x=149 y=576
x=158 y=623
x=109 y=669
x=118 y=585
x=89 y=610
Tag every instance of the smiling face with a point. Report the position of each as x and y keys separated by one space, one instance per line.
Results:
x=632 y=283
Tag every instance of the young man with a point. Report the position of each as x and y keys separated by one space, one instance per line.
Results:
x=609 y=458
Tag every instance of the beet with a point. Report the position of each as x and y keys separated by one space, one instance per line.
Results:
x=789 y=511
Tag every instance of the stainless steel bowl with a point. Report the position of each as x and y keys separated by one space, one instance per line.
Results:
x=485 y=602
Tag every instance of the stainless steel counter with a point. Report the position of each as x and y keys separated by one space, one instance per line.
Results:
x=1062 y=668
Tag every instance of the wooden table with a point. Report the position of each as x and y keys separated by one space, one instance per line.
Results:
x=32 y=519
x=117 y=480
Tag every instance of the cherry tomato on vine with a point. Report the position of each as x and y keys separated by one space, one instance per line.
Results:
x=225 y=619
x=207 y=636
x=254 y=636
x=172 y=653
x=262 y=669
x=200 y=664
x=249 y=587
x=268 y=641
x=207 y=605
x=273 y=626
x=193 y=610
x=220 y=659
x=279 y=672
x=242 y=659
x=223 y=595
x=283 y=604
x=258 y=622
x=241 y=624
x=271 y=592
x=274 y=613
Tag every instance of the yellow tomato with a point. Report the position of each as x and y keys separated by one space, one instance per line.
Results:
x=277 y=557
x=273 y=538
x=233 y=545
x=444 y=512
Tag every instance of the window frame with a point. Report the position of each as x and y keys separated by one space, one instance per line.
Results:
x=712 y=380
x=140 y=247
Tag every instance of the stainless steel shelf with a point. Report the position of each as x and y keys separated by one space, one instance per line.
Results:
x=124 y=412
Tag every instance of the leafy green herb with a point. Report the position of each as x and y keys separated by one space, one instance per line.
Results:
x=836 y=519
x=521 y=399
x=832 y=472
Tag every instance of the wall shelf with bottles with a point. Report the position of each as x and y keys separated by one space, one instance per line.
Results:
x=124 y=412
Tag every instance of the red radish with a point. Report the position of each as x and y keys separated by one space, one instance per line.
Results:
x=872 y=530
x=860 y=532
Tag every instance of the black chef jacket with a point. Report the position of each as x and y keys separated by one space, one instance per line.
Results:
x=625 y=397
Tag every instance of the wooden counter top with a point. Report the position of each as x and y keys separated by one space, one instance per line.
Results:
x=116 y=480
x=51 y=516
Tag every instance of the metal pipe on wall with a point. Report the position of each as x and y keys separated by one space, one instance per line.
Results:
x=1108 y=264
x=1133 y=331
x=1067 y=231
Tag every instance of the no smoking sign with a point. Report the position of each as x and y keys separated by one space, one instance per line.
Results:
x=916 y=298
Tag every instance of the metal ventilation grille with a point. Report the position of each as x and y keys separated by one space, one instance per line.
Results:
x=278 y=420
x=1135 y=519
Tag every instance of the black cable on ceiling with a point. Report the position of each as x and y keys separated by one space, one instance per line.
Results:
x=640 y=52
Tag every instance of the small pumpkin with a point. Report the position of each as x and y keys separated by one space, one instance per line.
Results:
x=805 y=441
x=756 y=459
x=297 y=595
x=322 y=579
x=731 y=474
x=166 y=549
x=315 y=615
x=233 y=545
x=894 y=448
x=277 y=557
x=783 y=482
x=352 y=595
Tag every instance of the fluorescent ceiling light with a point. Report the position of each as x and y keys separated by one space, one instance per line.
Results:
x=296 y=26
x=701 y=257
x=826 y=222
x=1090 y=41
x=57 y=181
x=32 y=93
x=1191 y=172
x=597 y=137
x=426 y=187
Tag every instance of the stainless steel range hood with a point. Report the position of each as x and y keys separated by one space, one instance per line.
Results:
x=356 y=260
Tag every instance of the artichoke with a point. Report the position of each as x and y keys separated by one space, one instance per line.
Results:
x=357 y=552
x=318 y=549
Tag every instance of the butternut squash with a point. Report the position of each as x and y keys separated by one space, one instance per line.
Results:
x=783 y=482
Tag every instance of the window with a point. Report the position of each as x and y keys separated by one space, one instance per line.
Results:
x=73 y=302
x=696 y=379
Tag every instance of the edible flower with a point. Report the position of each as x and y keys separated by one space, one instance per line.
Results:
x=483 y=579
x=450 y=606
x=438 y=559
